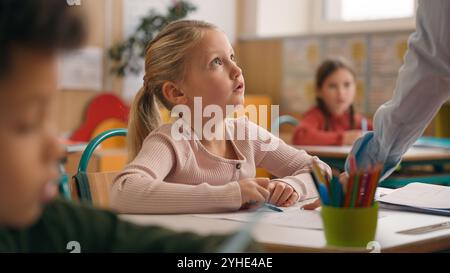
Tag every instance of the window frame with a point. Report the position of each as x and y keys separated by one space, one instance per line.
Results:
x=321 y=26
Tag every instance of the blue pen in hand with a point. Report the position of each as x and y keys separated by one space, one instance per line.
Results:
x=267 y=205
x=272 y=207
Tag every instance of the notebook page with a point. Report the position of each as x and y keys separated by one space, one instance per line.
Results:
x=420 y=195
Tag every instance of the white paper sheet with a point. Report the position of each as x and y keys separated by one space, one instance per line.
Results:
x=291 y=217
x=420 y=195
x=82 y=69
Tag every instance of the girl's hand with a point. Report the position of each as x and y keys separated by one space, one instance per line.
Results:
x=282 y=194
x=351 y=136
x=254 y=192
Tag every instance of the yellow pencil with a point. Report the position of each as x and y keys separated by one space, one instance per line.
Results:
x=320 y=176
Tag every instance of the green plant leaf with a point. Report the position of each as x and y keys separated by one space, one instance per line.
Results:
x=127 y=55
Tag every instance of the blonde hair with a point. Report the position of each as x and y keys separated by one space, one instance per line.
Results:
x=165 y=60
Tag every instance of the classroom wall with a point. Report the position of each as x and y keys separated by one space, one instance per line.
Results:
x=261 y=63
x=283 y=17
x=246 y=23
x=268 y=18
x=72 y=103
x=105 y=24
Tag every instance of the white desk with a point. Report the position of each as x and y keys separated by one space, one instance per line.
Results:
x=285 y=239
x=413 y=154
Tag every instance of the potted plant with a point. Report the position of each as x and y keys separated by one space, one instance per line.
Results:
x=127 y=55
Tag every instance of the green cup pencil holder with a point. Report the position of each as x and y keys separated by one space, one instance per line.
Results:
x=350 y=227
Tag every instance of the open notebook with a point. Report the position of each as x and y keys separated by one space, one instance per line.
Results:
x=419 y=197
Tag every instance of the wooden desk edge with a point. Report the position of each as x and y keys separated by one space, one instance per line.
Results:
x=436 y=244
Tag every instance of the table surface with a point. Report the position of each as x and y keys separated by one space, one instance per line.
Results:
x=413 y=154
x=287 y=239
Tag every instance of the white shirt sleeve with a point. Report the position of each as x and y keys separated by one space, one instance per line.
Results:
x=423 y=85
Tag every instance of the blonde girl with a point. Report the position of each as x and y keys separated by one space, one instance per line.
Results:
x=195 y=174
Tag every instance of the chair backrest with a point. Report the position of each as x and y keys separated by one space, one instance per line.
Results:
x=93 y=188
x=111 y=143
x=285 y=119
x=100 y=184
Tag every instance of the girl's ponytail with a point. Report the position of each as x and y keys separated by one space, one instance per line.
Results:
x=144 y=118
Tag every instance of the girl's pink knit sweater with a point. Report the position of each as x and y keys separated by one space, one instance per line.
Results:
x=182 y=176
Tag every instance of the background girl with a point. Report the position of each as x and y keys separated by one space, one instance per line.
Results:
x=333 y=121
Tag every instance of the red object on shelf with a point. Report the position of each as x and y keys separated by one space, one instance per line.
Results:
x=102 y=107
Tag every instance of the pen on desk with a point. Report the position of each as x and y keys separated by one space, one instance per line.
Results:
x=267 y=205
x=426 y=229
x=272 y=207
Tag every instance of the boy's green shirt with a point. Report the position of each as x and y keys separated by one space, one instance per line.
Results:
x=98 y=231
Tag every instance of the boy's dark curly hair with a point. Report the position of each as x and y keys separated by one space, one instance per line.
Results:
x=47 y=25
